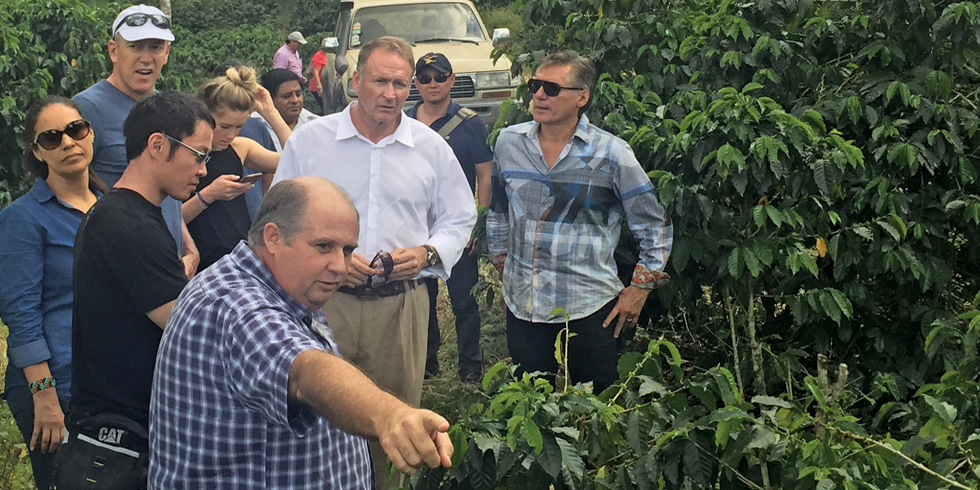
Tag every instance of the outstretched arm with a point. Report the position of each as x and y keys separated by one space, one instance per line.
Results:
x=349 y=400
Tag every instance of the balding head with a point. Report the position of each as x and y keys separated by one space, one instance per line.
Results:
x=305 y=233
x=286 y=206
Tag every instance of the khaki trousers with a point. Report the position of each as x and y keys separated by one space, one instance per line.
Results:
x=386 y=339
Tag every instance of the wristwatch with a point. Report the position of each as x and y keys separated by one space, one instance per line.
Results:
x=431 y=256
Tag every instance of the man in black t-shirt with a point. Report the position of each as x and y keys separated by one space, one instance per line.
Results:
x=127 y=271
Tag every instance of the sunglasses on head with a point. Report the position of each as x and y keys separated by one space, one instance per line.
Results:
x=201 y=157
x=52 y=138
x=551 y=89
x=427 y=79
x=387 y=263
x=136 y=20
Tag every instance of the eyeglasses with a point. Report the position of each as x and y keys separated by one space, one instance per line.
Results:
x=551 y=89
x=52 y=138
x=138 y=19
x=201 y=157
x=386 y=263
x=427 y=79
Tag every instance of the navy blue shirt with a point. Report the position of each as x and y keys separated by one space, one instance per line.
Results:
x=255 y=131
x=38 y=233
x=468 y=140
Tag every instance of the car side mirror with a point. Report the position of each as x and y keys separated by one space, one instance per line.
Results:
x=341 y=65
x=501 y=35
x=330 y=45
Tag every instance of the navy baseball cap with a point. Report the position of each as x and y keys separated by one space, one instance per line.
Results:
x=434 y=60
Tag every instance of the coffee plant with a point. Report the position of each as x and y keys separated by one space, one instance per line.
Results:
x=819 y=161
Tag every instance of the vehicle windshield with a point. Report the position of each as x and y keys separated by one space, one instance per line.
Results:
x=417 y=23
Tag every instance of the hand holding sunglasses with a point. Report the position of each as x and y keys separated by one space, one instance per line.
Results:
x=52 y=138
x=551 y=89
x=384 y=260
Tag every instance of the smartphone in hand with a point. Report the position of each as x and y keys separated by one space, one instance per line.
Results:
x=250 y=178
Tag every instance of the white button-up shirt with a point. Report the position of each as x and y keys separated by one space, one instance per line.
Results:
x=408 y=188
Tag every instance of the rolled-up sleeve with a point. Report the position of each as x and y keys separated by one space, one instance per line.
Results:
x=648 y=221
x=22 y=263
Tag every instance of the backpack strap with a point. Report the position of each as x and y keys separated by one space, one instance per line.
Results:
x=463 y=114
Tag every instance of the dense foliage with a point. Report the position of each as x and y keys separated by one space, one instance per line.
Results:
x=819 y=162
x=59 y=47
x=50 y=46
x=659 y=429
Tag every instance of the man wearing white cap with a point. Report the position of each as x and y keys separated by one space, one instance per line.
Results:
x=138 y=49
x=288 y=55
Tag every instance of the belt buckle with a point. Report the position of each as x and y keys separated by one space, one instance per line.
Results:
x=368 y=293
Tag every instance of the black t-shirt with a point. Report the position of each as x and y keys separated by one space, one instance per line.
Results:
x=223 y=224
x=126 y=265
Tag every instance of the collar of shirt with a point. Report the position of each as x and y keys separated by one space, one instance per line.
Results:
x=250 y=263
x=402 y=134
x=41 y=192
x=582 y=129
x=451 y=110
x=315 y=321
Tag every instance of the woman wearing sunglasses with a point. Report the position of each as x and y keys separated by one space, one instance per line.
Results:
x=38 y=233
x=217 y=216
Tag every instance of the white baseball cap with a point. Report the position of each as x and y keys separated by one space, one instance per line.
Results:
x=141 y=22
x=296 y=36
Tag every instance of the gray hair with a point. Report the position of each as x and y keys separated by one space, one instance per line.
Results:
x=391 y=44
x=284 y=205
x=583 y=74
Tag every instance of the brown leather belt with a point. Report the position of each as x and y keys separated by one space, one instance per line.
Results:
x=385 y=290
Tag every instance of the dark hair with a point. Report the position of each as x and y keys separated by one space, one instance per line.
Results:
x=39 y=168
x=223 y=68
x=172 y=113
x=284 y=205
x=276 y=77
x=583 y=72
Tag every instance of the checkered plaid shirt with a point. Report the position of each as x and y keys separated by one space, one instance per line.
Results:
x=219 y=414
x=558 y=227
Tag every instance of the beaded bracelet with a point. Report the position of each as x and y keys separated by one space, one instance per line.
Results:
x=42 y=384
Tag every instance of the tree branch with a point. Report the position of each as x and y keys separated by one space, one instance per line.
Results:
x=898 y=453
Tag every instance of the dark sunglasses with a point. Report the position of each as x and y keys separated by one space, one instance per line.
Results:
x=427 y=79
x=551 y=89
x=136 y=20
x=386 y=263
x=201 y=157
x=52 y=138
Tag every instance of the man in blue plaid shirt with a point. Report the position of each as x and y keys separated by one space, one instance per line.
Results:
x=561 y=187
x=250 y=391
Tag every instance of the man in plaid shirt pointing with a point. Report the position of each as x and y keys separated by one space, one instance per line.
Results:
x=250 y=391
x=561 y=187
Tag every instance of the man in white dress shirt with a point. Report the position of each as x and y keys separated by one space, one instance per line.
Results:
x=407 y=187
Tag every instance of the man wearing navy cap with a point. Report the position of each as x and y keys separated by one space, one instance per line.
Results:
x=467 y=136
x=139 y=48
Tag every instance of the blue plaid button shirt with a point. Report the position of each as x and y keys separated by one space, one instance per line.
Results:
x=219 y=415
x=559 y=227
